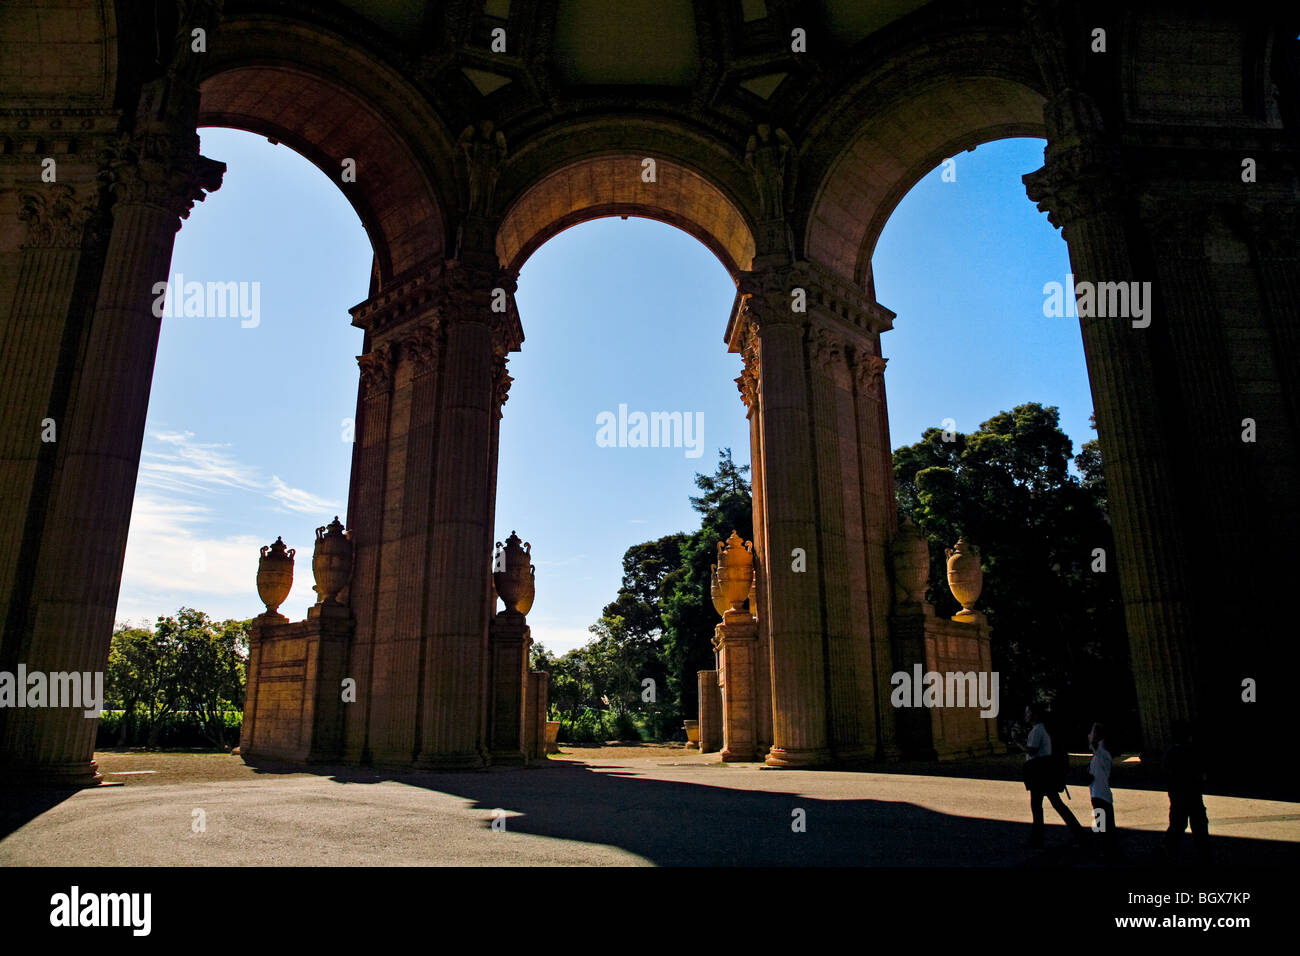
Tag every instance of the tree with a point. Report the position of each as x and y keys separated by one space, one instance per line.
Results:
x=689 y=616
x=211 y=667
x=1058 y=632
x=185 y=663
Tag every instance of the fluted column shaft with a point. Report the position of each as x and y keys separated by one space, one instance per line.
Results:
x=790 y=523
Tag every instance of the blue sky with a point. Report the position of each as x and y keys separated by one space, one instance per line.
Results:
x=247 y=431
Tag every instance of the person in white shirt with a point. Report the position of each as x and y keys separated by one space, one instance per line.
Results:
x=1103 y=801
x=1041 y=779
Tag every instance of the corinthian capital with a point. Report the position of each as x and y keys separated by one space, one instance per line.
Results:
x=160 y=170
x=501 y=380
x=1077 y=183
x=868 y=371
x=423 y=347
x=377 y=368
x=56 y=215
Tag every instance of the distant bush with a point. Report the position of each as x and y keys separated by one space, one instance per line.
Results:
x=179 y=729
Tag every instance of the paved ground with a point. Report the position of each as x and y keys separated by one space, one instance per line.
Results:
x=620 y=806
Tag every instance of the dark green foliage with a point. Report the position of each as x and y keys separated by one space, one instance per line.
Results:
x=1058 y=627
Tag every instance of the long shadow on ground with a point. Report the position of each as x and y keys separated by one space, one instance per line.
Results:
x=683 y=824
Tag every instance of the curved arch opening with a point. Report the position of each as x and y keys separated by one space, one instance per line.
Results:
x=977 y=341
x=616 y=314
x=248 y=430
x=891 y=153
x=617 y=185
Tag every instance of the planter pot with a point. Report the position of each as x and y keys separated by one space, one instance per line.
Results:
x=692 y=734
x=514 y=576
x=965 y=578
x=911 y=564
x=735 y=571
x=331 y=563
x=552 y=736
x=275 y=575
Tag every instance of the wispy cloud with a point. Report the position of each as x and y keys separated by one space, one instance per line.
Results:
x=186 y=466
x=177 y=553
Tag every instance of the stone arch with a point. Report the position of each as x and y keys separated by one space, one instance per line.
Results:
x=316 y=93
x=549 y=197
x=896 y=147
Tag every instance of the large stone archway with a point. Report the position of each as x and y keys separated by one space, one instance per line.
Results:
x=786 y=162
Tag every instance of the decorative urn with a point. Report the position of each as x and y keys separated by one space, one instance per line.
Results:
x=513 y=574
x=715 y=591
x=275 y=575
x=911 y=564
x=735 y=571
x=332 y=562
x=965 y=578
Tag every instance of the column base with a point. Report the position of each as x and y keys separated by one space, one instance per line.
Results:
x=468 y=760
x=508 y=758
x=855 y=755
x=779 y=757
x=741 y=755
x=68 y=775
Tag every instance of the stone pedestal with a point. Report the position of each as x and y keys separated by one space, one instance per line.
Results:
x=293 y=703
x=710 y=711
x=737 y=642
x=509 y=639
x=538 y=703
x=945 y=647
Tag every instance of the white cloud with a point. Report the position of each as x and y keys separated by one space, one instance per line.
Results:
x=173 y=554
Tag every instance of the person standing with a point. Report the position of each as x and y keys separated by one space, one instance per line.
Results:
x=1042 y=779
x=1103 y=801
x=1185 y=777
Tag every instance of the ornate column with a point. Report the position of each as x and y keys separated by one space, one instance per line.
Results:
x=365 y=499
x=789 y=519
x=154 y=175
x=879 y=507
x=1081 y=187
x=39 y=334
x=481 y=322
x=747 y=383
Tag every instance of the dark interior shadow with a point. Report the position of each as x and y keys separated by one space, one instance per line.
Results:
x=673 y=823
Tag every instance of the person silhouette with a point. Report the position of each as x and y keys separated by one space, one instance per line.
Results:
x=1185 y=779
x=1043 y=779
